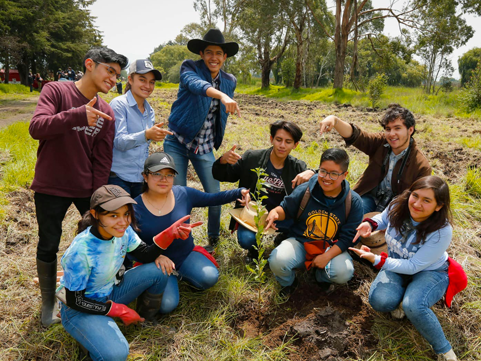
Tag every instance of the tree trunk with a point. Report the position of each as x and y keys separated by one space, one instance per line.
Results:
x=266 y=72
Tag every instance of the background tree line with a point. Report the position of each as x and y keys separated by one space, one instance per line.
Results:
x=46 y=35
x=313 y=43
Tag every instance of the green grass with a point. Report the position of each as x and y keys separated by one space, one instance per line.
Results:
x=14 y=89
x=18 y=157
x=443 y=104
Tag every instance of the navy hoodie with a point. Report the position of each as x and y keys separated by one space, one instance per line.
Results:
x=323 y=218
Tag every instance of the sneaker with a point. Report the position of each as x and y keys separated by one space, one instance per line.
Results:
x=326 y=287
x=213 y=242
x=448 y=356
x=286 y=291
x=252 y=254
x=398 y=313
x=279 y=238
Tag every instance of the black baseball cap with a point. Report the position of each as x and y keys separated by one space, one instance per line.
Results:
x=110 y=197
x=144 y=66
x=159 y=161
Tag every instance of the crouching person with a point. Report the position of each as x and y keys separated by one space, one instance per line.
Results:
x=324 y=212
x=94 y=287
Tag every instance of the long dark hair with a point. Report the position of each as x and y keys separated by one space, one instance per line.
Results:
x=399 y=209
x=89 y=220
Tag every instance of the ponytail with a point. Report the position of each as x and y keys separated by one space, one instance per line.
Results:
x=127 y=85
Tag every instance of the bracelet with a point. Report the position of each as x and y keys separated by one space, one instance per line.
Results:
x=372 y=223
x=382 y=261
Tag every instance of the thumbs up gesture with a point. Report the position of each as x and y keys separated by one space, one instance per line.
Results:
x=93 y=114
x=230 y=157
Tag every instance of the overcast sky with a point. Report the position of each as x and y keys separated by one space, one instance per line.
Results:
x=135 y=28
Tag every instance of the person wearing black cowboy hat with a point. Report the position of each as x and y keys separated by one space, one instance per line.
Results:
x=199 y=115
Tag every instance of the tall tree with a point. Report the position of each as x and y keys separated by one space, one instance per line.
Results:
x=369 y=21
x=467 y=63
x=266 y=29
x=443 y=29
x=49 y=34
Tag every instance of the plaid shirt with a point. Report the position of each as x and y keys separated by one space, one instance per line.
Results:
x=203 y=142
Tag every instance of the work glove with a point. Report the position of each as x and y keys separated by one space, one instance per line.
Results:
x=178 y=230
x=126 y=314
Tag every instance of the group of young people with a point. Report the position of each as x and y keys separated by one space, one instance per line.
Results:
x=135 y=207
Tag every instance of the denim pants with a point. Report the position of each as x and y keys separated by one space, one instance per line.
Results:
x=291 y=254
x=203 y=166
x=50 y=212
x=132 y=188
x=418 y=293
x=99 y=334
x=368 y=203
x=247 y=239
x=196 y=270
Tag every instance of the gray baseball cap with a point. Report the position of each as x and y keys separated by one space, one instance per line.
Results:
x=144 y=66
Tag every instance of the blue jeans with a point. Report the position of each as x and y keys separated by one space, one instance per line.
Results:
x=132 y=188
x=198 y=271
x=291 y=254
x=203 y=166
x=99 y=334
x=246 y=238
x=368 y=203
x=418 y=293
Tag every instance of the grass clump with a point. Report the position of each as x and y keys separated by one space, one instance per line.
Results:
x=14 y=89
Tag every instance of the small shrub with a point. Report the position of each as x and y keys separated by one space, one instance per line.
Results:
x=376 y=88
x=288 y=71
x=471 y=97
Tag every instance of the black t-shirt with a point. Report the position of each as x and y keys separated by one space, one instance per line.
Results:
x=274 y=186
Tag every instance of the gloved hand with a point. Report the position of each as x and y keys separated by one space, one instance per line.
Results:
x=178 y=230
x=126 y=314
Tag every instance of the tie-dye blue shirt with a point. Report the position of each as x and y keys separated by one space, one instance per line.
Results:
x=91 y=263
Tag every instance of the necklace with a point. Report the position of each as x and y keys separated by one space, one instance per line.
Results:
x=158 y=209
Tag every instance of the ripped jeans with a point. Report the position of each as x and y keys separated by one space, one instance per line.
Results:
x=418 y=293
x=101 y=335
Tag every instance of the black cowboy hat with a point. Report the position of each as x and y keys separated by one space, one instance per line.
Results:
x=213 y=37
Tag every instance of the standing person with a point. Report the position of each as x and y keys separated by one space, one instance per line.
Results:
x=324 y=224
x=95 y=288
x=135 y=127
x=39 y=80
x=159 y=206
x=395 y=161
x=199 y=115
x=414 y=274
x=119 y=86
x=30 y=79
x=76 y=132
x=70 y=74
x=284 y=173
x=60 y=74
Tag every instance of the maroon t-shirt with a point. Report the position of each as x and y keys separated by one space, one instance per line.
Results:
x=73 y=159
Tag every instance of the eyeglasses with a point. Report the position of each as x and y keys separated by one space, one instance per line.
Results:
x=332 y=175
x=110 y=70
x=157 y=176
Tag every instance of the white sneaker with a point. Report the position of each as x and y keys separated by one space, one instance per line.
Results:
x=448 y=356
x=398 y=312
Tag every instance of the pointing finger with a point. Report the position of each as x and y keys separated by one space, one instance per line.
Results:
x=356 y=236
x=238 y=111
x=101 y=114
x=92 y=102
x=196 y=224
x=234 y=147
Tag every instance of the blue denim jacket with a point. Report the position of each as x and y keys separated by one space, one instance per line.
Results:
x=131 y=149
x=192 y=105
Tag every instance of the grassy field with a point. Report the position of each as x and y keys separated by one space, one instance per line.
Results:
x=229 y=322
x=443 y=104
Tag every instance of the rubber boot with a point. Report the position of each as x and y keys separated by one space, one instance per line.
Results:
x=47 y=280
x=148 y=305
